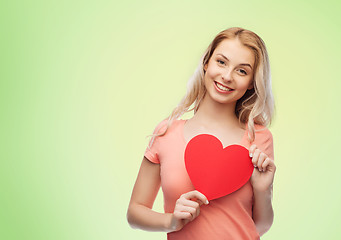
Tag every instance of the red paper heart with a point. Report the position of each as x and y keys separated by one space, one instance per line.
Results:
x=216 y=171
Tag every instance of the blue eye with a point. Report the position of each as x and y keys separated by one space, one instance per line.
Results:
x=220 y=62
x=242 y=71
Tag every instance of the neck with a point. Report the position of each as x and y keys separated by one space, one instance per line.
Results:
x=211 y=113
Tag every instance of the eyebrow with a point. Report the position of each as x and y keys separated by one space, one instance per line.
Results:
x=243 y=64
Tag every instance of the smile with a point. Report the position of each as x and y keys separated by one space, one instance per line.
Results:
x=222 y=88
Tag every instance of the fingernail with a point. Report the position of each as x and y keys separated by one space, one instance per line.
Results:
x=254 y=165
x=250 y=154
x=207 y=202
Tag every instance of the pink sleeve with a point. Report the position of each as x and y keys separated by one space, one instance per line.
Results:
x=153 y=148
x=264 y=141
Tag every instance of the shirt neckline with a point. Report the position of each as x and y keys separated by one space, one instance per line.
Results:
x=185 y=141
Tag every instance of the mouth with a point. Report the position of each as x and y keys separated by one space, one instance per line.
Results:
x=222 y=87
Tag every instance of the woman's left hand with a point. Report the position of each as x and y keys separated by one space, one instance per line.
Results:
x=264 y=171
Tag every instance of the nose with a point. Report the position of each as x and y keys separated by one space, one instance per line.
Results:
x=227 y=75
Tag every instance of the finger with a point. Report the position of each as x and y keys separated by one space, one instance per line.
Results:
x=195 y=194
x=255 y=157
x=252 y=149
x=269 y=164
x=192 y=211
x=182 y=215
x=265 y=163
x=197 y=212
x=190 y=203
x=183 y=204
x=261 y=158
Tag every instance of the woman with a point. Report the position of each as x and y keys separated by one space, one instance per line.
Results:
x=231 y=97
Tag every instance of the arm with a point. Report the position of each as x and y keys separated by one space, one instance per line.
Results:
x=262 y=183
x=140 y=213
x=263 y=214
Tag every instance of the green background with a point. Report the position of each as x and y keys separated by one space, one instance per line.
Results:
x=84 y=82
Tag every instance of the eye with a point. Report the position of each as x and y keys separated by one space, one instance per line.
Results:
x=221 y=62
x=242 y=71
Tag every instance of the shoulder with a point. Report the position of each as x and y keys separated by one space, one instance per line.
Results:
x=164 y=125
x=161 y=126
x=262 y=132
x=163 y=137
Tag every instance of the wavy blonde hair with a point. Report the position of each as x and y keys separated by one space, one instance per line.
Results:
x=257 y=104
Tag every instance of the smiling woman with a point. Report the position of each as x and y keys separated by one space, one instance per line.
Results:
x=231 y=97
x=228 y=78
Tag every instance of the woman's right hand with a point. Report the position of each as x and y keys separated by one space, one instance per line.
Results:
x=187 y=208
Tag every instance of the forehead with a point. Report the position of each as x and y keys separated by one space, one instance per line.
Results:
x=235 y=51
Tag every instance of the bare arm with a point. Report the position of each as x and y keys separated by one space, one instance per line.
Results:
x=263 y=214
x=262 y=183
x=140 y=213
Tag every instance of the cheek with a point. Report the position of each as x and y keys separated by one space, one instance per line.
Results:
x=207 y=80
x=244 y=83
x=212 y=72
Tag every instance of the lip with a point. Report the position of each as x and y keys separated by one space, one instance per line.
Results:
x=222 y=91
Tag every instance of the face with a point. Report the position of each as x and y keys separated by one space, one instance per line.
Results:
x=229 y=72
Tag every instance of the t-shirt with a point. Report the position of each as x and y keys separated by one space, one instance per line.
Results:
x=228 y=217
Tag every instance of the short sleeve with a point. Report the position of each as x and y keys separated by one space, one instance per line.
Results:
x=153 y=148
x=264 y=140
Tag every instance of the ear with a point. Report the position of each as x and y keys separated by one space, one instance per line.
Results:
x=205 y=67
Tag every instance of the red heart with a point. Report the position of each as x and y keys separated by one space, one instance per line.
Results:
x=216 y=171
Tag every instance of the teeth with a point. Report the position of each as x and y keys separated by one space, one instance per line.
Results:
x=222 y=87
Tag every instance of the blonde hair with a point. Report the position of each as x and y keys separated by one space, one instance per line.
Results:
x=257 y=104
